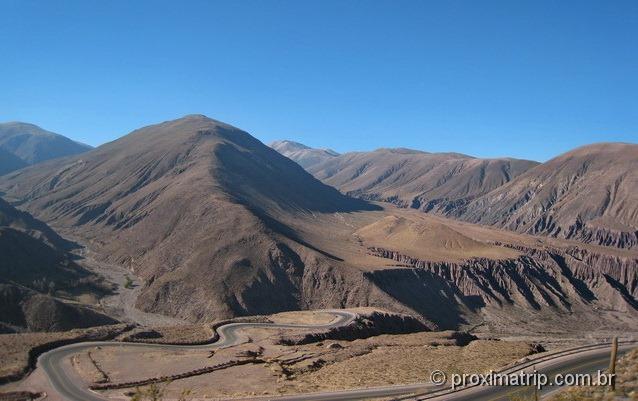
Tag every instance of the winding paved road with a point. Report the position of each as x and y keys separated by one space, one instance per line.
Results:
x=51 y=362
x=578 y=360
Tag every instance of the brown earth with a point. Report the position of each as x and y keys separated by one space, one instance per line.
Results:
x=318 y=366
x=219 y=225
x=588 y=194
x=432 y=182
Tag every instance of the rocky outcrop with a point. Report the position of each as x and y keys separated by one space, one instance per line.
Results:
x=602 y=236
x=364 y=326
x=538 y=279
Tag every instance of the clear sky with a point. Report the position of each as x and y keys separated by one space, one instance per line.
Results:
x=527 y=79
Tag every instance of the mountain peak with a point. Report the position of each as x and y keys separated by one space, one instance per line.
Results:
x=603 y=147
x=19 y=127
x=33 y=144
x=304 y=155
x=287 y=146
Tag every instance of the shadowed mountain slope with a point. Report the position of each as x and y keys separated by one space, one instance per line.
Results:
x=588 y=194
x=35 y=263
x=32 y=144
x=10 y=162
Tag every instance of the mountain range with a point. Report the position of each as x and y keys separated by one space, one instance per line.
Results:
x=216 y=224
x=585 y=194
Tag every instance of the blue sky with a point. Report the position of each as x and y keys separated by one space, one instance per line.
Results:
x=527 y=79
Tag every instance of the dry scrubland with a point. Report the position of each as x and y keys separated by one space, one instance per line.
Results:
x=318 y=366
x=399 y=359
x=18 y=351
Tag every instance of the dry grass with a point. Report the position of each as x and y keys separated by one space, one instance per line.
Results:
x=305 y=317
x=385 y=359
x=409 y=359
x=15 y=349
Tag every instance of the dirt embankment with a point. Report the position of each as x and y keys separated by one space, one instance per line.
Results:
x=19 y=352
x=364 y=326
x=194 y=334
x=540 y=280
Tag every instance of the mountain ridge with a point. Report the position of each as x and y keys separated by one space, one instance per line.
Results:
x=585 y=194
x=498 y=191
x=417 y=179
x=31 y=144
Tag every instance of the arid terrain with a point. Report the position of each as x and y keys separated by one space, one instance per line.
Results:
x=169 y=232
x=277 y=239
x=586 y=194
x=274 y=368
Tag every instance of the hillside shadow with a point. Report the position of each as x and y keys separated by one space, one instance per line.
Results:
x=261 y=176
x=434 y=298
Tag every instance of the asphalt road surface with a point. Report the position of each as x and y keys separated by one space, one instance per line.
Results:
x=580 y=360
x=52 y=362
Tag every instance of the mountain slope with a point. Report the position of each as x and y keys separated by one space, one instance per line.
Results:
x=192 y=205
x=34 y=264
x=32 y=144
x=304 y=156
x=588 y=194
x=436 y=182
x=10 y=162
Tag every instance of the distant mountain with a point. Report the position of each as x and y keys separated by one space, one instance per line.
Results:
x=34 y=265
x=302 y=154
x=589 y=194
x=431 y=182
x=31 y=144
x=583 y=195
x=10 y=162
